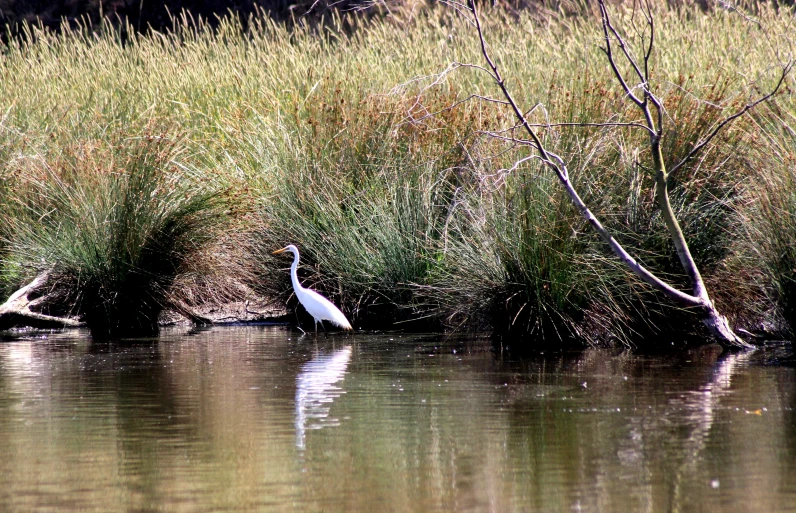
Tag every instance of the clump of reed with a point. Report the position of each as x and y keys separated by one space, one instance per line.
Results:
x=778 y=218
x=508 y=265
x=113 y=226
x=770 y=216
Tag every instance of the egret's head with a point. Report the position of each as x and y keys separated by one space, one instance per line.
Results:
x=290 y=248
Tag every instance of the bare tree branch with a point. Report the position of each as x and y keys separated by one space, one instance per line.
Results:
x=497 y=135
x=729 y=119
x=499 y=80
x=608 y=50
x=648 y=54
x=604 y=124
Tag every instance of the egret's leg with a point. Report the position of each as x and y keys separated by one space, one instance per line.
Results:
x=316 y=326
x=325 y=333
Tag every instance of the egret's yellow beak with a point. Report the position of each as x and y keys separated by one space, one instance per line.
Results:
x=279 y=251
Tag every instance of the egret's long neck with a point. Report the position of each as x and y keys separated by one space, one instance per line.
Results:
x=293 y=273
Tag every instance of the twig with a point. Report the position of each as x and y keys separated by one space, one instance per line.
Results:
x=729 y=119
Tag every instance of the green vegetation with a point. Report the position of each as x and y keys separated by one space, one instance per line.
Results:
x=341 y=140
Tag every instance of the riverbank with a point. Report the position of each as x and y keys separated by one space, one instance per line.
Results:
x=159 y=174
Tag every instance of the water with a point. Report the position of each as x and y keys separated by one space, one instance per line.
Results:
x=257 y=419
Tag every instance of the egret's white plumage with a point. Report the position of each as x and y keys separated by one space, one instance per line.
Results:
x=320 y=308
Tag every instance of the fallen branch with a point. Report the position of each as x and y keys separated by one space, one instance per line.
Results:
x=16 y=311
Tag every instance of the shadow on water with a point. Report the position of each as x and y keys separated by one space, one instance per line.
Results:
x=258 y=419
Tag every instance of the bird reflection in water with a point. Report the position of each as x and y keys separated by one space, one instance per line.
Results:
x=316 y=389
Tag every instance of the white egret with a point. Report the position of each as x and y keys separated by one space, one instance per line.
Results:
x=320 y=308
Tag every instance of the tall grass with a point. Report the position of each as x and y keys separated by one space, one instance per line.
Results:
x=340 y=140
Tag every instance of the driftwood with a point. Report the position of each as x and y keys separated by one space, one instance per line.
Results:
x=17 y=312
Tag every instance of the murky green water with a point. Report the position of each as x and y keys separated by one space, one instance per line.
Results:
x=256 y=419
